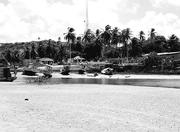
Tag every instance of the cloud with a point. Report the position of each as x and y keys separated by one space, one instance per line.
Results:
x=161 y=3
x=165 y=24
x=26 y=20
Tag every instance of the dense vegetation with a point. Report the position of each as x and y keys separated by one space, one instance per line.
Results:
x=101 y=45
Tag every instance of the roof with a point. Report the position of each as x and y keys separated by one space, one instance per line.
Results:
x=164 y=53
x=78 y=58
x=168 y=53
x=46 y=59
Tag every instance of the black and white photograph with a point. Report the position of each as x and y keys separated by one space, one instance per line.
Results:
x=89 y=66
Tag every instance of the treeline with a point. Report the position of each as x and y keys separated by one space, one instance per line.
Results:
x=98 y=45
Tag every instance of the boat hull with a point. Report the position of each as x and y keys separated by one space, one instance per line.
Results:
x=29 y=73
x=9 y=79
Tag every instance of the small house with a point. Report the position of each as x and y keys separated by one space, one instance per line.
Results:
x=48 y=61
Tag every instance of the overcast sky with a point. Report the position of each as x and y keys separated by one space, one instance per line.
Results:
x=26 y=20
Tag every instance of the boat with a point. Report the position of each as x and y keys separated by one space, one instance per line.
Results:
x=5 y=72
x=31 y=70
x=5 y=75
x=65 y=70
x=107 y=71
x=48 y=71
x=81 y=71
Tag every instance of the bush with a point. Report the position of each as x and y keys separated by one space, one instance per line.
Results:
x=152 y=62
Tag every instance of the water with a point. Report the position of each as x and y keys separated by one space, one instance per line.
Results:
x=168 y=83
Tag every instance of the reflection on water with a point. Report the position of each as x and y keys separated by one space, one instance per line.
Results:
x=174 y=83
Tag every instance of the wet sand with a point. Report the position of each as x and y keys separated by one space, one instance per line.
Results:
x=88 y=108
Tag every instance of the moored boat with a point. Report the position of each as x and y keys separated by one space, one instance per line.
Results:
x=30 y=70
x=5 y=75
x=107 y=71
x=81 y=71
x=65 y=70
x=5 y=72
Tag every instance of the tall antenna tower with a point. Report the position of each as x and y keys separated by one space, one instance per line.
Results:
x=87 y=15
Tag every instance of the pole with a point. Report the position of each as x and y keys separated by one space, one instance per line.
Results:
x=87 y=15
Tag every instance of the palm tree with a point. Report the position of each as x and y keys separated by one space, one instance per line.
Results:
x=41 y=50
x=106 y=38
x=98 y=32
x=125 y=38
x=59 y=39
x=173 y=43
x=136 y=47
x=88 y=36
x=8 y=55
x=106 y=35
x=70 y=37
x=115 y=36
x=152 y=34
x=27 y=53
x=33 y=52
x=49 y=51
x=141 y=36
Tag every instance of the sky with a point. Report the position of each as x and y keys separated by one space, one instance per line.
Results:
x=26 y=20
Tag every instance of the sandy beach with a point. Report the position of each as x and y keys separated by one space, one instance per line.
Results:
x=88 y=108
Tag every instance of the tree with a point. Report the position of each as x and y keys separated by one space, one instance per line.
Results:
x=33 y=52
x=61 y=53
x=49 y=50
x=152 y=33
x=92 y=50
x=159 y=44
x=70 y=36
x=88 y=36
x=115 y=36
x=141 y=36
x=112 y=53
x=59 y=39
x=27 y=53
x=105 y=39
x=125 y=38
x=41 y=50
x=152 y=62
x=98 y=32
x=106 y=35
x=136 y=50
x=78 y=46
x=173 y=43
x=15 y=56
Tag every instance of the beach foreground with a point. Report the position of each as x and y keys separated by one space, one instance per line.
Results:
x=88 y=108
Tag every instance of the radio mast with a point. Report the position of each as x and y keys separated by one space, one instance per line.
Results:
x=87 y=15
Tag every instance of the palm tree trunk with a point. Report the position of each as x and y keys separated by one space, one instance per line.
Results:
x=102 y=51
x=126 y=50
x=70 y=53
x=69 y=43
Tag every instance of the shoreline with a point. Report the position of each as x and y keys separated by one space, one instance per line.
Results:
x=102 y=76
x=119 y=80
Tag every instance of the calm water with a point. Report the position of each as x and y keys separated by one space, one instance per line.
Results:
x=174 y=83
